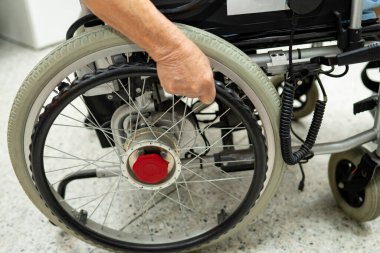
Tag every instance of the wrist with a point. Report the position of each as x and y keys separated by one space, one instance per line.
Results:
x=177 y=46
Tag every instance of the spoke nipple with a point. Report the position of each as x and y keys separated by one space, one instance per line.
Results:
x=341 y=185
x=82 y=216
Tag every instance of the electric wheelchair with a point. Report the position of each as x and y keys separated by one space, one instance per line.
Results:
x=107 y=155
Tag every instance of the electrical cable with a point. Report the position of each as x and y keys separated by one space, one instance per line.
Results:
x=287 y=114
x=338 y=75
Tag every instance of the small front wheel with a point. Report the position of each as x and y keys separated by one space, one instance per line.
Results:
x=361 y=205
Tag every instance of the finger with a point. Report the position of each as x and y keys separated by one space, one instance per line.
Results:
x=209 y=97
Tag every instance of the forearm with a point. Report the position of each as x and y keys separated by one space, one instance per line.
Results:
x=140 y=21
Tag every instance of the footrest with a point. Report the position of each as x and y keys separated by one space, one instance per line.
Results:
x=366 y=104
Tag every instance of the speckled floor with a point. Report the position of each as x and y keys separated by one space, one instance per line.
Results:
x=294 y=221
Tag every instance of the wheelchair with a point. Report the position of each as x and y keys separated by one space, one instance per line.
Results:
x=107 y=155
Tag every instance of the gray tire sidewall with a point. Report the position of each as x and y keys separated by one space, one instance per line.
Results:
x=371 y=205
x=104 y=38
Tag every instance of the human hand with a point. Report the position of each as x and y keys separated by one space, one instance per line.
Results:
x=186 y=71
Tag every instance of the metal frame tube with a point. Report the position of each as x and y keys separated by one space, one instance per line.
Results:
x=356 y=14
x=347 y=144
x=304 y=54
x=307 y=53
x=377 y=124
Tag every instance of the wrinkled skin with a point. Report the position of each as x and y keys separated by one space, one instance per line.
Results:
x=182 y=67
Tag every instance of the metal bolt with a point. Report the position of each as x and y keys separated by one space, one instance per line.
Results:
x=163 y=154
x=299 y=82
x=138 y=90
x=109 y=97
x=340 y=185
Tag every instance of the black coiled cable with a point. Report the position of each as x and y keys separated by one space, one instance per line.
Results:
x=286 y=123
x=286 y=116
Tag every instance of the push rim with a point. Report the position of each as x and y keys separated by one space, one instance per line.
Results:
x=244 y=207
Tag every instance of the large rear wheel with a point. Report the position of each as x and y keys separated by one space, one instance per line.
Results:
x=104 y=46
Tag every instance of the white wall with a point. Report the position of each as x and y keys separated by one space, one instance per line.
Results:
x=37 y=23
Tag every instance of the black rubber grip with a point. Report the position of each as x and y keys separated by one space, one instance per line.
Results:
x=364 y=54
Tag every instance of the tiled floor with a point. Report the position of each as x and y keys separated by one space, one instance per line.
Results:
x=293 y=222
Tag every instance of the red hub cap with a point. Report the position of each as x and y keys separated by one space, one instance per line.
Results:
x=150 y=168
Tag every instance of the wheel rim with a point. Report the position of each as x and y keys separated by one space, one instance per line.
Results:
x=242 y=208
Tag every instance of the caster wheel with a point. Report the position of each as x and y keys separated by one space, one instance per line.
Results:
x=304 y=99
x=363 y=205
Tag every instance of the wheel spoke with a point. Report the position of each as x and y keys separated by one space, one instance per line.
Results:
x=198 y=155
x=141 y=211
x=135 y=107
x=181 y=128
x=211 y=180
x=89 y=164
x=109 y=139
x=175 y=201
x=101 y=194
x=105 y=195
x=212 y=183
x=209 y=125
x=168 y=110
x=74 y=157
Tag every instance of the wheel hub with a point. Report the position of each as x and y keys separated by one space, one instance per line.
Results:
x=151 y=159
x=150 y=168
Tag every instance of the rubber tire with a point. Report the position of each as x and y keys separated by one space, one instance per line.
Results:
x=312 y=97
x=103 y=38
x=370 y=208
